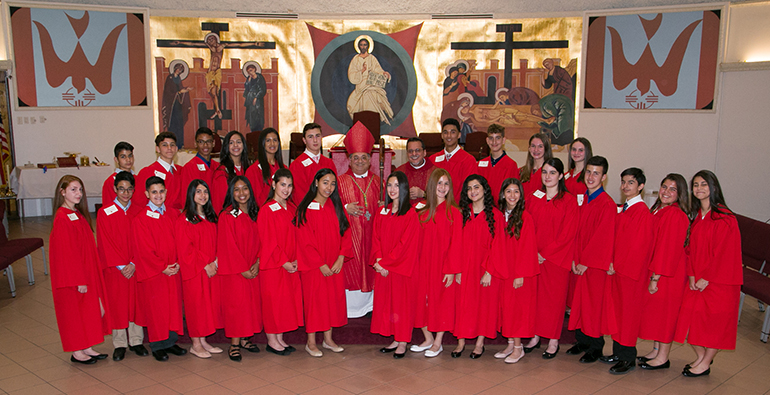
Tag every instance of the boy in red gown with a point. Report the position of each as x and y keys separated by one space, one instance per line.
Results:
x=498 y=166
x=627 y=281
x=455 y=160
x=306 y=165
x=165 y=169
x=113 y=233
x=201 y=166
x=159 y=285
x=124 y=160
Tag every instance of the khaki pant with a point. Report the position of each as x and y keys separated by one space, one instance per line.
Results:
x=135 y=336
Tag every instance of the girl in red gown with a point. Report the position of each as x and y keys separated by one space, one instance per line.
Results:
x=233 y=161
x=580 y=152
x=323 y=243
x=238 y=257
x=394 y=245
x=196 y=232
x=708 y=319
x=435 y=285
x=554 y=213
x=539 y=152
x=667 y=270
x=76 y=281
x=270 y=160
x=518 y=248
x=278 y=277
x=478 y=300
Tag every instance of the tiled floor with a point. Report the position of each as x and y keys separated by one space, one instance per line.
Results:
x=31 y=362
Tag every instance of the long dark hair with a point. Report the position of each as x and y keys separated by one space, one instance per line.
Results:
x=682 y=194
x=262 y=154
x=58 y=198
x=251 y=204
x=280 y=173
x=589 y=153
x=226 y=161
x=190 y=207
x=404 y=204
x=526 y=171
x=716 y=199
x=301 y=218
x=489 y=202
x=431 y=198
x=557 y=164
x=515 y=221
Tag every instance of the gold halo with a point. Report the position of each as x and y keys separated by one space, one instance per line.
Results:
x=206 y=38
x=361 y=37
x=175 y=62
x=249 y=63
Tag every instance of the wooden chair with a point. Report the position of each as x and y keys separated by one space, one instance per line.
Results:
x=476 y=145
x=755 y=253
x=296 y=146
x=252 y=139
x=433 y=142
x=13 y=250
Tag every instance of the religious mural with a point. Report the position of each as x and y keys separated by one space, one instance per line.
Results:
x=78 y=58
x=653 y=61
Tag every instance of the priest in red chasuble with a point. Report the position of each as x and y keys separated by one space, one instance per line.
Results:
x=417 y=169
x=360 y=191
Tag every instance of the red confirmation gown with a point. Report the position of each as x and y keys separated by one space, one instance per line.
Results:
x=219 y=186
x=238 y=249
x=160 y=296
x=555 y=225
x=319 y=243
x=459 y=166
x=709 y=318
x=258 y=185
x=281 y=290
x=74 y=262
x=359 y=275
x=495 y=175
x=304 y=169
x=394 y=243
x=197 y=169
x=175 y=197
x=108 y=189
x=478 y=306
x=113 y=235
x=535 y=182
x=576 y=188
x=417 y=177
x=196 y=248
x=442 y=241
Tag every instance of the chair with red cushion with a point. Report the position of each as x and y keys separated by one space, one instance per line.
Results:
x=756 y=253
x=13 y=250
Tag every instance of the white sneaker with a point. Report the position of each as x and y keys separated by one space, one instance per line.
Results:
x=418 y=348
x=431 y=354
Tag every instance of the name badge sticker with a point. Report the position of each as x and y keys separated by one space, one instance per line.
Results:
x=314 y=206
x=201 y=167
x=72 y=216
x=567 y=176
x=111 y=210
x=484 y=163
x=420 y=205
x=275 y=207
x=539 y=194
x=160 y=174
x=307 y=162
x=580 y=199
x=384 y=211
x=153 y=214
x=440 y=158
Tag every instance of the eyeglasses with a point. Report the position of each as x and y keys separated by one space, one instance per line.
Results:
x=124 y=190
x=205 y=142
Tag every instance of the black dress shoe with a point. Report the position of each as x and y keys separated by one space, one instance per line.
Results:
x=548 y=355
x=99 y=356
x=290 y=348
x=160 y=355
x=577 y=349
x=276 y=352
x=119 y=354
x=176 y=350
x=139 y=350
x=386 y=350
x=688 y=365
x=528 y=350
x=643 y=359
x=609 y=358
x=399 y=356
x=89 y=361
x=457 y=354
x=591 y=356
x=622 y=367
x=688 y=373
x=646 y=366
x=477 y=356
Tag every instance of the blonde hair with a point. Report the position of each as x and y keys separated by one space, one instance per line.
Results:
x=431 y=199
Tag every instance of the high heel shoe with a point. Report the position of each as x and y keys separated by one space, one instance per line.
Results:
x=548 y=355
x=528 y=350
x=503 y=354
x=514 y=360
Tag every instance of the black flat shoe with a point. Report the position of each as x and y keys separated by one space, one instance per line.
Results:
x=89 y=361
x=457 y=354
x=99 y=356
x=290 y=349
x=577 y=349
x=399 y=356
x=477 y=356
x=139 y=350
x=386 y=350
x=119 y=354
x=176 y=350
x=688 y=373
x=528 y=350
x=643 y=359
x=548 y=355
x=646 y=366
x=234 y=353
x=160 y=355
x=688 y=365
x=609 y=359
x=249 y=346
x=276 y=352
x=623 y=367
x=591 y=356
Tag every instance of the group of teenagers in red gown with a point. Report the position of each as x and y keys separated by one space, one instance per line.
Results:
x=471 y=248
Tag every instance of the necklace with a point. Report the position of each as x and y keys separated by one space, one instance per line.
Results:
x=367 y=215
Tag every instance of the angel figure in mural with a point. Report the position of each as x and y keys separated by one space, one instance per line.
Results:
x=175 y=105
x=254 y=90
x=370 y=79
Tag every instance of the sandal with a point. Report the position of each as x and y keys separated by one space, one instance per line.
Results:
x=234 y=353
x=249 y=346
